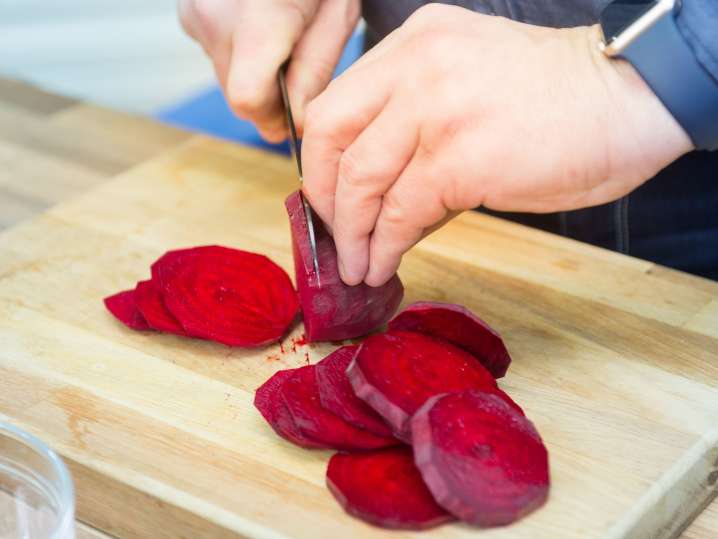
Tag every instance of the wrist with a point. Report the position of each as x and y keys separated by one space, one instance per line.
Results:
x=647 y=136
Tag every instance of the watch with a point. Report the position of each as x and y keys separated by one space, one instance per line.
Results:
x=645 y=33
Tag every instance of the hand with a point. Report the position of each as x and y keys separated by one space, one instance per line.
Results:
x=248 y=40
x=456 y=110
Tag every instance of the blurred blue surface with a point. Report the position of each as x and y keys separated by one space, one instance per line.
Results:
x=209 y=113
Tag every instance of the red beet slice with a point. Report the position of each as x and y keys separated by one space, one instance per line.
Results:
x=384 y=488
x=396 y=372
x=150 y=303
x=460 y=327
x=268 y=401
x=226 y=295
x=482 y=461
x=301 y=395
x=334 y=311
x=337 y=396
x=124 y=307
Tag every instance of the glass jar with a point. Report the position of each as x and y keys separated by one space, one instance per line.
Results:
x=37 y=497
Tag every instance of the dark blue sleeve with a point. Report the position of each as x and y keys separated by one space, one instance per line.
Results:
x=698 y=22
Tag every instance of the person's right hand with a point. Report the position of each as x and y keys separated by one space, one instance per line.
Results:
x=248 y=41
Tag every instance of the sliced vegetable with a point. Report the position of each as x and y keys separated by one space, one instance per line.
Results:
x=332 y=310
x=124 y=307
x=268 y=401
x=150 y=303
x=384 y=488
x=396 y=372
x=226 y=295
x=460 y=327
x=301 y=395
x=482 y=460
x=337 y=396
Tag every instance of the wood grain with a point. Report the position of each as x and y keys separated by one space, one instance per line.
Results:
x=615 y=359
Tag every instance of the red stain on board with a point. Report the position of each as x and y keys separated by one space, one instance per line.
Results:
x=295 y=344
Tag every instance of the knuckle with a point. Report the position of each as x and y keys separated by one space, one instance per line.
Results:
x=393 y=211
x=426 y=15
x=351 y=170
x=244 y=99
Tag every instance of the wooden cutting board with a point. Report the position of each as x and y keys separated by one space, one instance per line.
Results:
x=615 y=360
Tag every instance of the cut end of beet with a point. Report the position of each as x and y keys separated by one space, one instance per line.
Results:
x=226 y=295
x=334 y=311
x=301 y=395
x=482 y=460
x=396 y=372
x=151 y=305
x=268 y=400
x=337 y=396
x=384 y=488
x=123 y=306
x=460 y=327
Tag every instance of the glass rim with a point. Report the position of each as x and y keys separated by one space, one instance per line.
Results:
x=66 y=487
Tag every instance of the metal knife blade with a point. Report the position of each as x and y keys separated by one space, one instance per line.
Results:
x=295 y=147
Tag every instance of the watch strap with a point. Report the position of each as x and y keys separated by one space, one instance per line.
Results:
x=670 y=67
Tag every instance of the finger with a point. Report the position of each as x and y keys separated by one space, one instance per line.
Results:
x=333 y=121
x=317 y=53
x=257 y=55
x=367 y=170
x=409 y=210
x=189 y=19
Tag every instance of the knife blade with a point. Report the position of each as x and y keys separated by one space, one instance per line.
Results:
x=295 y=146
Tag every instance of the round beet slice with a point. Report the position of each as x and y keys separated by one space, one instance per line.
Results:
x=460 y=327
x=150 y=303
x=226 y=295
x=124 y=307
x=482 y=460
x=301 y=395
x=384 y=488
x=337 y=396
x=332 y=310
x=268 y=401
x=396 y=372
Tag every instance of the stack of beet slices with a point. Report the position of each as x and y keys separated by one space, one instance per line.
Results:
x=216 y=293
x=425 y=434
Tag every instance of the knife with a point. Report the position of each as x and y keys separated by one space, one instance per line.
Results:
x=295 y=147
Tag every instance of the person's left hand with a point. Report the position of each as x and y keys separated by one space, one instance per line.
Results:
x=456 y=110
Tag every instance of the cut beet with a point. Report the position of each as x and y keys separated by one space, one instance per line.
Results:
x=334 y=311
x=301 y=395
x=268 y=401
x=226 y=295
x=124 y=307
x=384 y=488
x=460 y=327
x=337 y=396
x=396 y=372
x=150 y=303
x=483 y=462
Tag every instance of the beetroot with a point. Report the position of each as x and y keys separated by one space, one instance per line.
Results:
x=460 y=327
x=301 y=395
x=226 y=295
x=268 y=401
x=337 y=396
x=396 y=372
x=385 y=489
x=334 y=311
x=124 y=307
x=483 y=462
x=150 y=303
